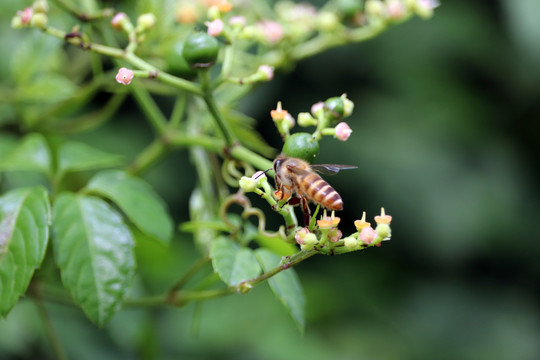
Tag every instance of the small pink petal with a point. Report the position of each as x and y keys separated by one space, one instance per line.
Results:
x=267 y=70
x=272 y=31
x=315 y=108
x=237 y=21
x=26 y=15
x=117 y=19
x=215 y=28
x=367 y=235
x=124 y=76
x=343 y=131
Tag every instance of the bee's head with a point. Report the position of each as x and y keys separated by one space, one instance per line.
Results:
x=277 y=162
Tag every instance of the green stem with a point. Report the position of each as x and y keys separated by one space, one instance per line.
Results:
x=180 y=139
x=83 y=16
x=149 y=107
x=127 y=56
x=324 y=42
x=49 y=328
x=172 y=139
x=284 y=265
x=178 y=110
x=188 y=275
x=241 y=153
x=148 y=157
x=180 y=299
x=204 y=76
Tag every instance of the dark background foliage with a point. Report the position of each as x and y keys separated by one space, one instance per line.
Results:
x=445 y=137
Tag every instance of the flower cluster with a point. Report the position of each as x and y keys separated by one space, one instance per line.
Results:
x=323 y=234
x=35 y=16
x=327 y=238
x=323 y=116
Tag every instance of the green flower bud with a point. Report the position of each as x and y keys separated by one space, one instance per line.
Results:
x=213 y=13
x=350 y=242
x=327 y=21
x=383 y=231
x=39 y=20
x=16 y=22
x=201 y=49
x=348 y=106
x=260 y=178
x=309 y=241
x=146 y=22
x=40 y=6
x=247 y=184
x=305 y=119
x=301 y=145
x=375 y=8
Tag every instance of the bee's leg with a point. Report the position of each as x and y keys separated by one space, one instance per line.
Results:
x=294 y=201
x=305 y=208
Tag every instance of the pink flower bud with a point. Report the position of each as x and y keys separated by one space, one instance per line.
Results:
x=334 y=235
x=396 y=9
x=300 y=235
x=215 y=28
x=267 y=70
x=26 y=15
x=272 y=31
x=238 y=20
x=367 y=235
x=124 y=76
x=317 y=108
x=343 y=131
x=117 y=20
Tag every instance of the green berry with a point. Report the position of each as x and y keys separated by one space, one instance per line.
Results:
x=177 y=64
x=301 y=145
x=200 y=49
x=334 y=108
x=349 y=8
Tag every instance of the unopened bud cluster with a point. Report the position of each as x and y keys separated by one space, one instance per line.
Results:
x=398 y=10
x=34 y=16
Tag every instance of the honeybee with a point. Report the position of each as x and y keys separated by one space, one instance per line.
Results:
x=296 y=176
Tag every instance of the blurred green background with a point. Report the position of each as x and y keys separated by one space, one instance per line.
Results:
x=445 y=134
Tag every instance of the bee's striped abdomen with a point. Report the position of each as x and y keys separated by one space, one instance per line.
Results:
x=318 y=190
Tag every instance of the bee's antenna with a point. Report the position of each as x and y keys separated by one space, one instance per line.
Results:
x=259 y=173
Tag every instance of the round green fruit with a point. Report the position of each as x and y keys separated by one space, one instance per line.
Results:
x=334 y=108
x=177 y=65
x=200 y=49
x=301 y=145
x=349 y=8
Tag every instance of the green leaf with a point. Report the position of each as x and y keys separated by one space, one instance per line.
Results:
x=94 y=251
x=243 y=127
x=24 y=232
x=286 y=286
x=232 y=262
x=138 y=201
x=46 y=88
x=32 y=154
x=75 y=156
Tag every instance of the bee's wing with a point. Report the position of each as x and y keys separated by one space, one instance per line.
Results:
x=297 y=171
x=331 y=169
